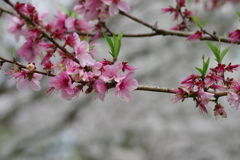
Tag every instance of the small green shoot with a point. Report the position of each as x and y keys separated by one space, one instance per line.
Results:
x=204 y=68
x=12 y=52
x=216 y=51
x=115 y=44
x=68 y=12
x=196 y=20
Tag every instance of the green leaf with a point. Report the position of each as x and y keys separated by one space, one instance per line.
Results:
x=64 y=9
x=12 y=52
x=199 y=69
x=196 y=20
x=205 y=22
x=120 y=35
x=215 y=50
x=110 y=43
x=205 y=67
x=224 y=52
x=238 y=13
x=73 y=14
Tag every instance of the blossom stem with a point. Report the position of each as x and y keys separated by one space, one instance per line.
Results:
x=23 y=66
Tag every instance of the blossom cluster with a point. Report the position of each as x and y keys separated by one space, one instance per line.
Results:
x=208 y=88
x=180 y=11
x=66 y=56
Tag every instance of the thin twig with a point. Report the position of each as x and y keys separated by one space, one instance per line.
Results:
x=23 y=66
x=164 y=32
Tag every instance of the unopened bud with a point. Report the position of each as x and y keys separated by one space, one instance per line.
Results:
x=31 y=66
x=89 y=90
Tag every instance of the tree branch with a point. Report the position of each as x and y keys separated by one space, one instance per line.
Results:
x=164 y=32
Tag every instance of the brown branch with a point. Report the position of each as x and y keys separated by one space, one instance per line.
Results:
x=23 y=66
x=138 y=20
x=171 y=90
x=164 y=32
x=6 y=11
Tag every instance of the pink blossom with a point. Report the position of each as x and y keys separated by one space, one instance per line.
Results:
x=179 y=27
x=203 y=100
x=233 y=99
x=82 y=53
x=233 y=96
x=231 y=68
x=125 y=86
x=234 y=35
x=17 y=27
x=181 y=3
x=219 y=111
x=81 y=25
x=212 y=78
x=100 y=88
x=127 y=67
x=63 y=83
x=196 y=36
x=205 y=97
x=180 y=94
x=25 y=79
x=116 y=5
x=30 y=50
x=166 y=10
x=90 y=9
x=111 y=72
x=190 y=81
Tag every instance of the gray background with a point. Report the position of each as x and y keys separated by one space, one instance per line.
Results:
x=149 y=127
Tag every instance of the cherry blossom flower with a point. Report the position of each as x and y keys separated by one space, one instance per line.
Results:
x=234 y=35
x=30 y=50
x=17 y=27
x=233 y=96
x=166 y=10
x=212 y=78
x=205 y=97
x=30 y=79
x=63 y=83
x=181 y=3
x=100 y=88
x=219 y=111
x=111 y=72
x=196 y=36
x=180 y=94
x=179 y=27
x=125 y=86
x=116 y=5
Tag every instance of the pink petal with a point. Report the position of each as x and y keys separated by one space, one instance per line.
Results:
x=107 y=2
x=113 y=9
x=123 y=6
x=35 y=85
x=22 y=84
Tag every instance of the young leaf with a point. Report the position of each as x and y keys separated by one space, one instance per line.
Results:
x=110 y=43
x=196 y=20
x=238 y=13
x=199 y=69
x=215 y=51
x=205 y=66
x=120 y=35
x=205 y=22
x=64 y=9
x=12 y=51
x=223 y=53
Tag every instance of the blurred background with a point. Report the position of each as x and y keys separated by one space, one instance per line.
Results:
x=149 y=127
